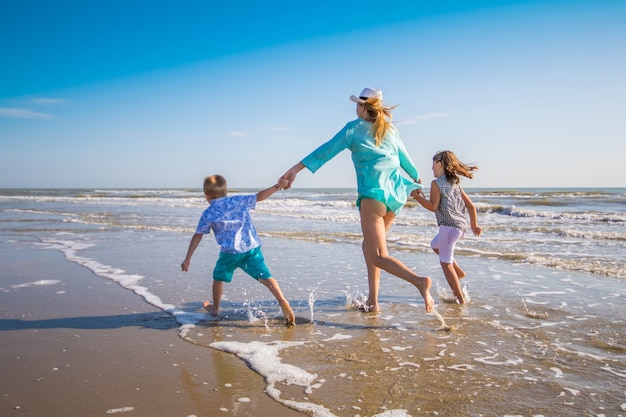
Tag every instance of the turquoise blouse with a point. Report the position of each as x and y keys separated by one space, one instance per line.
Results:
x=377 y=169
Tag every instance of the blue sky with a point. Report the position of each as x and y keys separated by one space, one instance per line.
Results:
x=158 y=94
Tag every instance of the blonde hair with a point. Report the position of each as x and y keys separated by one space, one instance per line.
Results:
x=215 y=186
x=453 y=167
x=380 y=116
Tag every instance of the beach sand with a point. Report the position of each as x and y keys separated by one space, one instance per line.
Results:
x=74 y=344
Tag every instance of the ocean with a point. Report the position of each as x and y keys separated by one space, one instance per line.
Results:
x=543 y=334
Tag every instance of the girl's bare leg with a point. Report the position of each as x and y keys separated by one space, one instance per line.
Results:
x=459 y=272
x=453 y=281
x=375 y=250
x=272 y=285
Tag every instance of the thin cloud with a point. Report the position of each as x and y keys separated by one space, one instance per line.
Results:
x=423 y=117
x=276 y=129
x=44 y=101
x=241 y=134
x=23 y=114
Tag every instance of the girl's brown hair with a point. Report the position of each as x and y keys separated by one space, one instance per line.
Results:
x=215 y=186
x=453 y=167
x=380 y=116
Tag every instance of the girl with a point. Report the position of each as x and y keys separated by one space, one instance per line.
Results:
x=449 y=201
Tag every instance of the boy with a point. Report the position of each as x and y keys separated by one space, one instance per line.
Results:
x=229 y=217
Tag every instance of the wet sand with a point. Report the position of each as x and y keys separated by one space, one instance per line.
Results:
x=73 y=344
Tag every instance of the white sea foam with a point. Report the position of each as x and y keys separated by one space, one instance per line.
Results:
x=120 y=410
x=70 y=250
x=263 y=358
x=338 y=336
x=489 y=360
x=41 y=282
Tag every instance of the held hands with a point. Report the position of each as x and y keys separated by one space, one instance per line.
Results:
x=290 y=175
x=282 y=184
x=417 y=193
x=287 y=179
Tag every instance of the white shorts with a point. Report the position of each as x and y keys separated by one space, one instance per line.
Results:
x=445 y=241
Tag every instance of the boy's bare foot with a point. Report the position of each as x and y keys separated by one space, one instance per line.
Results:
x=290 y=318
x=210 y=308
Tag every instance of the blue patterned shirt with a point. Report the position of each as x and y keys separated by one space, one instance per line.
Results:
x=229 y=217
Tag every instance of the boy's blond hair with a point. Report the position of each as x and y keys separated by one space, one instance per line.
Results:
x=215 y=186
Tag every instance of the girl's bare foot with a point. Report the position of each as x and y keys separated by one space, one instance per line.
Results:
x=210 y=308
x=366 y=307
x=370 y=307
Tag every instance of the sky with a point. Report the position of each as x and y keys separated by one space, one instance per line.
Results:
x=160 y=94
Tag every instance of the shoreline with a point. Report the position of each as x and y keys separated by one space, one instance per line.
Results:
x=75 y=344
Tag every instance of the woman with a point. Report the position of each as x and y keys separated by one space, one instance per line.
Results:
x=378 y=155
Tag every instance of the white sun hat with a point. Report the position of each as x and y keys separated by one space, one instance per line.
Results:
x=367 y=93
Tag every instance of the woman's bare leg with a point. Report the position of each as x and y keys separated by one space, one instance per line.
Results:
x=373 y=272
x=373 y=226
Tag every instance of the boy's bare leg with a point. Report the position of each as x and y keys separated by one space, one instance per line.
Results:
x=218 y=289
x=272 y=285
x=453 y=281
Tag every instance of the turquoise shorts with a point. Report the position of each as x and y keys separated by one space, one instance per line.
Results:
x=251 y=262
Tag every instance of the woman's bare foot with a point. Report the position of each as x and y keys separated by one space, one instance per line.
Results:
x=423 y=285
x=210 y=308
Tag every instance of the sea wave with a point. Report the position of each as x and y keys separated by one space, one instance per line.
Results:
x=416 y=243
x=522 y=212
x=617 y=194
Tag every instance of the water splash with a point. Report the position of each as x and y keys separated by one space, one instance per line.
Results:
x=256 y=314
x=444 y=326
x=312 y=305
x=357 y=302
x=534 y=314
